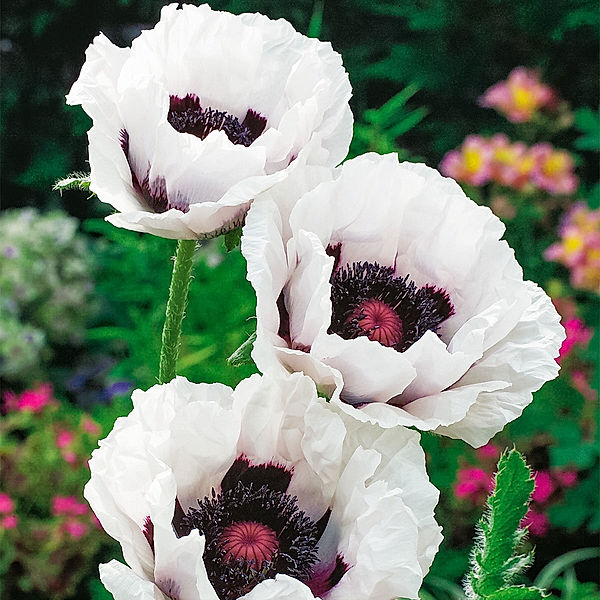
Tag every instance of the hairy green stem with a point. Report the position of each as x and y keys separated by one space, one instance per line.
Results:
x=178 y=293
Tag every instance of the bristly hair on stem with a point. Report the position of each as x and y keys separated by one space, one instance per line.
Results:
x=495 y=563
x=73 y=181
x=175 y=312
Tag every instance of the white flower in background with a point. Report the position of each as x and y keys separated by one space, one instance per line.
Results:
x=265 y=492
x=204 y=112
x=393 y=291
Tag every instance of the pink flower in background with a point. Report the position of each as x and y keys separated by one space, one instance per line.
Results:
x=553 y=169
x=567 y=478
x=577 y=334
x=579 y=246
x=520 y=96
x=579 y=380
x=68 y=505
x=489 y=451
x=9 y=522
x=30 y=400
x=473 y=484
x=6 y=504
x=90 y=426
x=537 y=521
x=75 y=529
x=544 y=486
x=512 y=164
x=470 y=163
x=64 y=438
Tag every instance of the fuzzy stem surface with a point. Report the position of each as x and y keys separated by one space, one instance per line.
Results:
x=175 y=312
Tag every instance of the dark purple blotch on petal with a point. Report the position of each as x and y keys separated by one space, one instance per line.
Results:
x=334 y=250
x=169 y=588
x=186 y=115
x=276 y=477
x=326 y=576
x=153 y=193
x=148 y=531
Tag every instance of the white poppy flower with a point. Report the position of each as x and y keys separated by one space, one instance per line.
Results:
x=394 y=292
x=204 y=112
x=265 y=492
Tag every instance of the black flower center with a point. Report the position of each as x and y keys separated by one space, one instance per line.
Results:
x=368 y=299
x=253 y=530
x=187 y=116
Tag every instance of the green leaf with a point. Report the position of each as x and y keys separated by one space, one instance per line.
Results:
x=232 y=238
x=242 y=355
x=494 y=562
x=316 y=20
x=518 y=592
x=552 y=570
x=74 y=181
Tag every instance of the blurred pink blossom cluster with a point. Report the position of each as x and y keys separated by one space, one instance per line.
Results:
x=68 y=508
x=521 y=96
x=547 y=484
x=475 y=483
x=34 y=400
x=578 y=334
x=481 y=160
x=579 y=247
x=8 y=518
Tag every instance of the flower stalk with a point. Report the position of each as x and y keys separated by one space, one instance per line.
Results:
x=176 y=304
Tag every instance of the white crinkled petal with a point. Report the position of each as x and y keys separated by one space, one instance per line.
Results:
x=231 y=63
x=280 y=588
x=377 y=532
x=181 y=439
x=524 y=359
x=124 y=584
x=408 y=217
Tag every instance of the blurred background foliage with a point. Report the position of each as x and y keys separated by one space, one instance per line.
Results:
x=89 y=321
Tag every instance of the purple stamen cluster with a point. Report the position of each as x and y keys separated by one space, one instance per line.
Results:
x=254 y=530
x=368 y=299
x=186 y=115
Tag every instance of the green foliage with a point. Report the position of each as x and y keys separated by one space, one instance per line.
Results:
x=242 y=356
x=133 y=283
x=379 y=129
x=46 y=281
x=588 y=122
x=495 y=563
x=232 y=238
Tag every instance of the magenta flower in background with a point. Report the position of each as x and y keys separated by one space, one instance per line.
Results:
x=68 y=505
x=473 y=484
x=34 y=400
x=75 y=529
x=9 y=522
x=544 y=486
x=520 y=96
x=489 y=451
x=537 y=522
x=580 y=382
x=6 y=503
x=471 y=163
x=577 y=335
